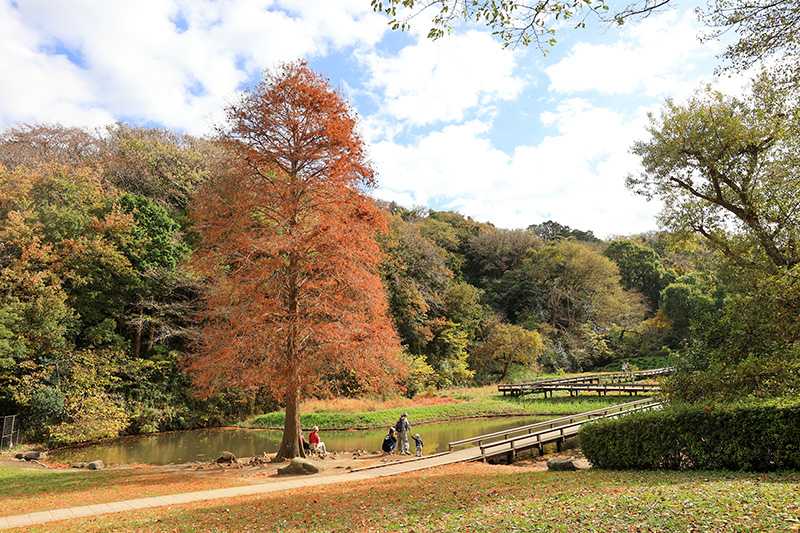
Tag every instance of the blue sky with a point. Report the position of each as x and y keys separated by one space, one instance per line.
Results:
x=506 y=136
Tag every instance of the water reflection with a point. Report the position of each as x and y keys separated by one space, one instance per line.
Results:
x=206 y=444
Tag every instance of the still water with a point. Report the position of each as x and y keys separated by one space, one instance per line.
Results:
x=207 y=444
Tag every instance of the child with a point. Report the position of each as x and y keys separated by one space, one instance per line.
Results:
x=418 y=444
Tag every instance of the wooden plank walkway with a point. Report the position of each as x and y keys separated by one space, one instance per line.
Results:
x=513 y=441
x=601 y=382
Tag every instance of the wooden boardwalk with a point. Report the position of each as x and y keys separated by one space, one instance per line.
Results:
x=602 y=383
x=512 y=441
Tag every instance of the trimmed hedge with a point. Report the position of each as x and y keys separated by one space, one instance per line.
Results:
x=739 y=437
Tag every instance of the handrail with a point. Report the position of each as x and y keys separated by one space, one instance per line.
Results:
x=545 y=423
x=602 y=386
x=588 y=377
x=539 y=434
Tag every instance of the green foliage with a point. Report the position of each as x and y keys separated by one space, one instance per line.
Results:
x=725 y=169
x=640 y=268
x=448 y=353
x=763 y=377
x=737 y=437
x=493 y=252
x=566 y=284
x=504 y=346
x=553 y=231
x=684 y=301
x=157 y=164
x=95 y=309
x=421 y=375
x=155 y=240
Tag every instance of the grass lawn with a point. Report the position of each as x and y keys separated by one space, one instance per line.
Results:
x=445 y=405
x=478 y=497
x=26 y=490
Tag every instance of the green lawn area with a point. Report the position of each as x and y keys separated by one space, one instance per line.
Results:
x=26 y=490
x=479 y=497
x=483 y=401
x=15 y=481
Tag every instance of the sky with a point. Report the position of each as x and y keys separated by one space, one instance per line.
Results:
x=508 y=136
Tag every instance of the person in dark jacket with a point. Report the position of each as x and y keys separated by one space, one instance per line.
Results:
x=389 y=442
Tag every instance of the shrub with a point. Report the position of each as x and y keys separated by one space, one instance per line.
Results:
x=763 y=436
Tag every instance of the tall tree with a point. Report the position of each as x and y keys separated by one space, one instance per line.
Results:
x=726 y=168
x=289 y=248
x=506 y=345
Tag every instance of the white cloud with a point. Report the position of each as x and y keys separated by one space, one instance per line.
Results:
x=36 y=86
x=138 y=63
x=435 y=81
x=659 y=56
x=575 y=176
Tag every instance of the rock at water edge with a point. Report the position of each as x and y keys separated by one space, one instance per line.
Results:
x=226 y=458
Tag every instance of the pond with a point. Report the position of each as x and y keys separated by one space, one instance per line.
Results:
x=207 y=444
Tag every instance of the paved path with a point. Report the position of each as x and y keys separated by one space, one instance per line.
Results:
x=391 y=469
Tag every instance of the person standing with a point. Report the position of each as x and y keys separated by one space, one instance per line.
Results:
x=418 y=445
x=403 y=427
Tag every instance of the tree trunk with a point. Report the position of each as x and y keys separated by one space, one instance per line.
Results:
x=137 y=341
x=506 y=366
x=290 y=444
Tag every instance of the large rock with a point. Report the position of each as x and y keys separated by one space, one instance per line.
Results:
x=33 y=456
x=561 y=464
x=79 y=465
x=227 y=458
x=96 y=465
x=298 y=466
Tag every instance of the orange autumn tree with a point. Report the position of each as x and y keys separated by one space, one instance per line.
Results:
x=288 y=247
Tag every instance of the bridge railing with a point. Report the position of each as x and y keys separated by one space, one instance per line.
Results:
x=548 y=424
x=563 y=430
x=602 y=386
x=533 y=386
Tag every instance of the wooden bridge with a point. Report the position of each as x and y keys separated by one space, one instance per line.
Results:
x=512 y=441
x=602 y=383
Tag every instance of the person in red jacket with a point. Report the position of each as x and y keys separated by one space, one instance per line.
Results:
x=316 y=444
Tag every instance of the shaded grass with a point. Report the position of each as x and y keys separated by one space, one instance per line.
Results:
x=31 y=482
x=477 y=497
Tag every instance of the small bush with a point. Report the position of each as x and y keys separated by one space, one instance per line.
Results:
x=738 y=437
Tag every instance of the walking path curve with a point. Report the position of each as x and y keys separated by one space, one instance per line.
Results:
x=391 y=469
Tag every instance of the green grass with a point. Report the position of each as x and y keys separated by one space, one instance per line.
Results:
x=479 y=498
x=471 y=405
x=15 y=481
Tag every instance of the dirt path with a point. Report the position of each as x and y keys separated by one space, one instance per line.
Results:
x=317 y=480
